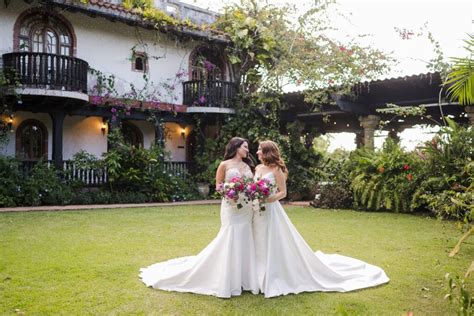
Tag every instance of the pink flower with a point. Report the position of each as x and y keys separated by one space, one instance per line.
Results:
x=202 y=99
x=208 y=65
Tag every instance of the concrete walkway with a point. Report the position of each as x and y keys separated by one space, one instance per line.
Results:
x=112 y=206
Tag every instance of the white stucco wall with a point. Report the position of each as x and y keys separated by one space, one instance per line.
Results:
x=175 y=143
x=107 y=45
x=83 y=133
x=9 y=148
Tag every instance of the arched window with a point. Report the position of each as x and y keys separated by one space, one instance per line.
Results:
x=31 y=140
x=42 y=32
x=132 y=134
x=206 y=64
x=140 y=62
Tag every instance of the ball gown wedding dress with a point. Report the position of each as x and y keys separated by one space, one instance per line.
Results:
x=224 y=268
x=286 y=264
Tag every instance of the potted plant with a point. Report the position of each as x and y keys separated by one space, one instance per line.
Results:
x=205 y=177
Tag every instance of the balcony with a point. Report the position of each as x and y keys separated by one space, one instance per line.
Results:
x=209 y=96
x=42 y=71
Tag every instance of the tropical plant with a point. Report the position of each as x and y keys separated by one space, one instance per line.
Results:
x=448 y=170
x=460 y=81
x=384 y=179
x=459 y=294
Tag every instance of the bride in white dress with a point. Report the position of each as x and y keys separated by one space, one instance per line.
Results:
x=285 y=262
x=227 y=265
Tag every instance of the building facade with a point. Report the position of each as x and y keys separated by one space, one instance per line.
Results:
x=74 y=70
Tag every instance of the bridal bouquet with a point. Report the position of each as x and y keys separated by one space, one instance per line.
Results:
x=258 y=191
x=234 y=191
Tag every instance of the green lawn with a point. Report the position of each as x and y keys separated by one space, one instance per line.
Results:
x=87 y=262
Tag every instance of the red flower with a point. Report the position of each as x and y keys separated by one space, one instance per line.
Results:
x=409 y=177
x=406 y=167
x=381 y=169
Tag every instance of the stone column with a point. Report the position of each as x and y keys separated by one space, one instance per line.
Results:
x=469 y=109
x=369 y=123
x=359 y=139
x=58 y=123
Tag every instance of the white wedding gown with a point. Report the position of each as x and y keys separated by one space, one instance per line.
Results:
x=224 y=268
x=286 y=264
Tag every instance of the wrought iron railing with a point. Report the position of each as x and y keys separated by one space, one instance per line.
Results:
x=43 y=70
x=209 y=93
x=98 y=176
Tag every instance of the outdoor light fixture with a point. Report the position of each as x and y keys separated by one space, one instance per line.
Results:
x=183 y=132
x=10 y=123
x=104 y=125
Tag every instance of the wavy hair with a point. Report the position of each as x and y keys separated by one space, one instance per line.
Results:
x=271 y=155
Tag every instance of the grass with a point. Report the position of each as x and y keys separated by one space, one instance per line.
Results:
x=87 y=262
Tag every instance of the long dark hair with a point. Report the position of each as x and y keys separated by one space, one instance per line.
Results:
x=231 y=151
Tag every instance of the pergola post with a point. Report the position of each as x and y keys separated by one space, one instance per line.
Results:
x=369 y=123
x=58 y=121
x=469 y=109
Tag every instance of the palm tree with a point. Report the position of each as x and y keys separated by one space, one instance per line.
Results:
x=460 y=81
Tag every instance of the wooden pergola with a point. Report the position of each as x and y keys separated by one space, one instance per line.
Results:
x=360 y=113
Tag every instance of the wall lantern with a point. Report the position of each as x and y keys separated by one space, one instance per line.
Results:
x=104 y=125
x=183 y=132
x=10 y=123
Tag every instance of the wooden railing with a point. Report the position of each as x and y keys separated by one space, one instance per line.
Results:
x=209 y=93
x=47 y=71
x=98 y=176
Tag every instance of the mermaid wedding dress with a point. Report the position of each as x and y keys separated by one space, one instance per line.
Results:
x=286 y=264
x=224 y=268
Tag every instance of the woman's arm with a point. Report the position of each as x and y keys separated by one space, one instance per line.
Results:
x=281 y=186
x=220 y=174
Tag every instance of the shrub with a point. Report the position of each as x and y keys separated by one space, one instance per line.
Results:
x=446 y=187
x=335 y=191
x=332 y=195
x=45 y=187
x=10 y=182
x=385 y=179
x=303 y=163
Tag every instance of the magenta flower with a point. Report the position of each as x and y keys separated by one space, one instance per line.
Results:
x=202 y=99
x=208 y=65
